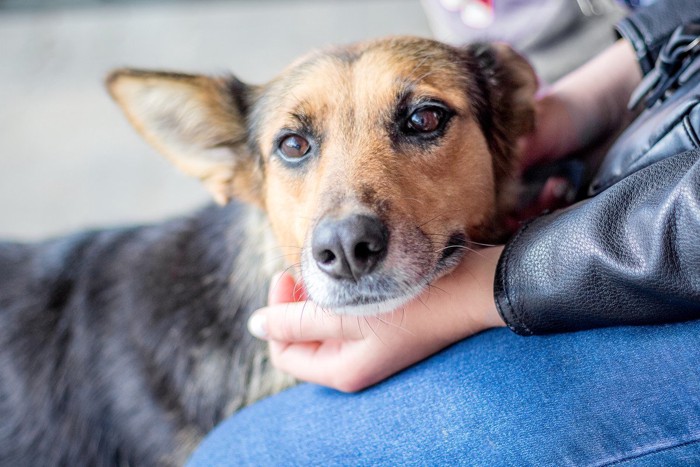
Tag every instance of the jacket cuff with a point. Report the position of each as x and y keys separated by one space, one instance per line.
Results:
x=502 y=290
x=627 y=256
x=647 y=29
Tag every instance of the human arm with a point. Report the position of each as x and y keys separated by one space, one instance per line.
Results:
x=584 y=107
x=350 y=353
x=630 y=255
x=350 y=363
x=622 y=257
x=589 y=104
x=581 y=113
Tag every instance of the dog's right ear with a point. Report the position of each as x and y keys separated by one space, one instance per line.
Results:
x=198 y=123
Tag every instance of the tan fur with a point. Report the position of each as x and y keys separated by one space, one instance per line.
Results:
x=418 y=187
x=424 y=194
x=189 y=119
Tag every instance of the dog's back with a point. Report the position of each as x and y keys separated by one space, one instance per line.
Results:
x=106 y=359
x=40 y=338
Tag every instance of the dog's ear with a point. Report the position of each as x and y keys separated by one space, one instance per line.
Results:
x=198 y=123
x=503 y=98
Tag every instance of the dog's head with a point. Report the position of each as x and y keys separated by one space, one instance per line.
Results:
x=376 y=163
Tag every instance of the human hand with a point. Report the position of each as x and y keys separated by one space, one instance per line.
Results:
x=350 y=353
x=584 y=107
x=543 y=181
x=584 y=110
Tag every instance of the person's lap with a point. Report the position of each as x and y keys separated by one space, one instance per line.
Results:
x=589 y=398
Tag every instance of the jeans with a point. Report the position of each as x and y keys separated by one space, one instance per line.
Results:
x=616 y=396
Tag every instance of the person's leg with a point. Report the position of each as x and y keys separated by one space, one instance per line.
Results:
x=589 y=398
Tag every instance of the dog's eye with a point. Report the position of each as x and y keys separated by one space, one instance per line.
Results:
x=294 y=146
x=426 y=119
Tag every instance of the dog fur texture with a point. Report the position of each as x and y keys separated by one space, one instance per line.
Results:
x=126 y=346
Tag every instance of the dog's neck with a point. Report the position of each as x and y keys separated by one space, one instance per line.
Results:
x=220 y=262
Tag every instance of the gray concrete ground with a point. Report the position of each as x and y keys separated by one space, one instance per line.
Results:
x=69 y=160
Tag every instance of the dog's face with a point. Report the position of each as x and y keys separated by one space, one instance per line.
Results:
x=377 y=163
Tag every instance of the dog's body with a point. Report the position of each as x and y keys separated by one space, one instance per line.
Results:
x=374 y=166
x=124 y=347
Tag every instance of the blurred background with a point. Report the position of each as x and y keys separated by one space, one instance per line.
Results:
x=68 y=158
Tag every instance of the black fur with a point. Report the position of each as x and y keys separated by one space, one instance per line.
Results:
x=124 y=347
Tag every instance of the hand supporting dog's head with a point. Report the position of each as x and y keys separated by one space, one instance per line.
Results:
x=376 y=163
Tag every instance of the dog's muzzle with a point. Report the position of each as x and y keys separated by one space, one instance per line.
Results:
x=351 y=247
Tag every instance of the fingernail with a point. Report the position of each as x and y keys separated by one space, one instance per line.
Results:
x=257 y=326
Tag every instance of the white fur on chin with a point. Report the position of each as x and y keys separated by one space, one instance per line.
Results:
x=378 y=308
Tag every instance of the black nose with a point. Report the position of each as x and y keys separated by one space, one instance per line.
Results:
x=351 y=247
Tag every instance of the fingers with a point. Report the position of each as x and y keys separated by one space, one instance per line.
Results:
x=285 y=289
x=554 y=136
x=556 y=193
x=302 y=322
x=340 y=365
x=281 y=289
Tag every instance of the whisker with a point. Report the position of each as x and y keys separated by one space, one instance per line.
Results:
x=373 y=331
x=423 y=76
x=297 y=288
x=389 y=323
x=301 y=316
x=415 y=68
x=359 y=326
x=482 y=244
x=435 y=287
x=425 y=305
x=426 y=74
x=403 y=315
x=292 y=266
x=460 y=247
x=431 y=220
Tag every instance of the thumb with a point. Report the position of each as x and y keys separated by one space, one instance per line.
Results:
x=301 y=322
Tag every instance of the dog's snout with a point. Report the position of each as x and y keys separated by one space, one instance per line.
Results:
x=351 y=247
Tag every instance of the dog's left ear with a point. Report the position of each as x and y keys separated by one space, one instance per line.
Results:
x=198 y=123
x=503 y=97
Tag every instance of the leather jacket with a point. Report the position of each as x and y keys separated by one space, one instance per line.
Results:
x=630 y=254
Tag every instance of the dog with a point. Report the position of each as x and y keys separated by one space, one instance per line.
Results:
x=368 y=169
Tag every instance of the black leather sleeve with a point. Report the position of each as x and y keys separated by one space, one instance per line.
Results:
x=630 y=255
x=648 y=28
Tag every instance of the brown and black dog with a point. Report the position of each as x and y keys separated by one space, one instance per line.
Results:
x=369 y=168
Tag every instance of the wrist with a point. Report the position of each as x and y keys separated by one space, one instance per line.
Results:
x=469 y=288
x=489 y=317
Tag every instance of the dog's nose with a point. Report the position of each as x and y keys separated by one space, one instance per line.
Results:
x=351 y=247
